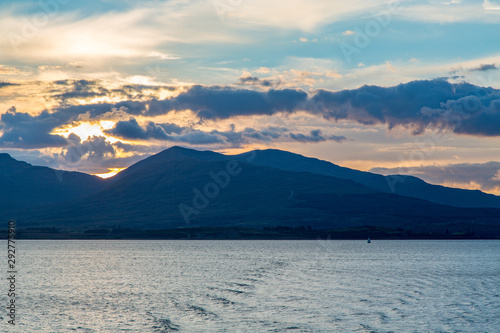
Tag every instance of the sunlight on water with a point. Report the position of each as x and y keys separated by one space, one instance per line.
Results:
x=258 y=286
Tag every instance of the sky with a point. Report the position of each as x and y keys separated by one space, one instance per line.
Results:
x=395 y=87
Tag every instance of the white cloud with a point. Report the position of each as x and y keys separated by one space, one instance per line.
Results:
x=491 y=5
x=449 y=13
x=301 y=15
x=140 y=32
x=263 y=70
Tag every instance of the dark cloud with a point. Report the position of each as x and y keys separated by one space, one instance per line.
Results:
x=90 y=89
x=97 y=110
x=96 y=155
x=196 y=137
x=6 y=84
x=170 y=128
x=95 y=148
x=217 y=102
x=131 y=130
x=268 y=134
x=136 y=148
x=485 y=175
x=462 y=108
x=21 y=130
x=485 y=67
x=79 y=89
x=315 y=136
x=255 y=81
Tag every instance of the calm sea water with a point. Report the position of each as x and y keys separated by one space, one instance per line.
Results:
x=256 y=286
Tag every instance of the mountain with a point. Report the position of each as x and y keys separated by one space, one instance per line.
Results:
x=168 y=155
x=150 y=195
x=186 y=188
x=25 y=187
x=396 y=184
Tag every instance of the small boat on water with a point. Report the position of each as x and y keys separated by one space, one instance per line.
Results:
x=369 y=240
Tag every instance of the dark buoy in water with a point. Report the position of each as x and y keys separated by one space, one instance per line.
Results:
x=369 y=240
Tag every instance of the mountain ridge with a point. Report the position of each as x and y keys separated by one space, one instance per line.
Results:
x=24 y=185
x=182 y=187
x=397 y=184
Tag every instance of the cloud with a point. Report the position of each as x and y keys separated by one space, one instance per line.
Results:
x=255 y=81
x=95 y=148
x=448 y=12
x=132 y=130
x=491 y=5
x=80 y=89
x=284 y=15
x=5 y=84
x=136 y=148
x=112 y=37
x=70 y=92
x=484 y=176
x=462 y=108
x=316 y=136
x=21 y=130
x=348 y=32
x=196 y=137
x=216 y=102
x=5 y=70
x=485 y=67
x=263 y=70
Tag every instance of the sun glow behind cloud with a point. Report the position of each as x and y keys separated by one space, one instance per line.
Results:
x=85 y=130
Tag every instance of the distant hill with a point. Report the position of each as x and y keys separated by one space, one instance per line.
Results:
x=187 y=188
x=26 y=187
x=396 y=184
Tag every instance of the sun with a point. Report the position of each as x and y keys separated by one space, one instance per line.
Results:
x=111 y=172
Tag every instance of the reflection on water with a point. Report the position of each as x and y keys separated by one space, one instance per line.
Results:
x=258 y=286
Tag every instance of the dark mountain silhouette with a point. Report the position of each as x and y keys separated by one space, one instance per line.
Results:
x=150 y=196
x=26 y=187
x=168 y=155
x=186 y=188
x=396 y=184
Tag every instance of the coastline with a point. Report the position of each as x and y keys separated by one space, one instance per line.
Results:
x=214 y=233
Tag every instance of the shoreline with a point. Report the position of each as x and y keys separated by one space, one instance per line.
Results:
x=213 y=233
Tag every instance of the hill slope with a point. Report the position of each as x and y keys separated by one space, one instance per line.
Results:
x=181 y=187
x=24 y=186
x=401 y=185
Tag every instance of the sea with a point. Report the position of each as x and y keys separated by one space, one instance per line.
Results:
x=254 y=286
